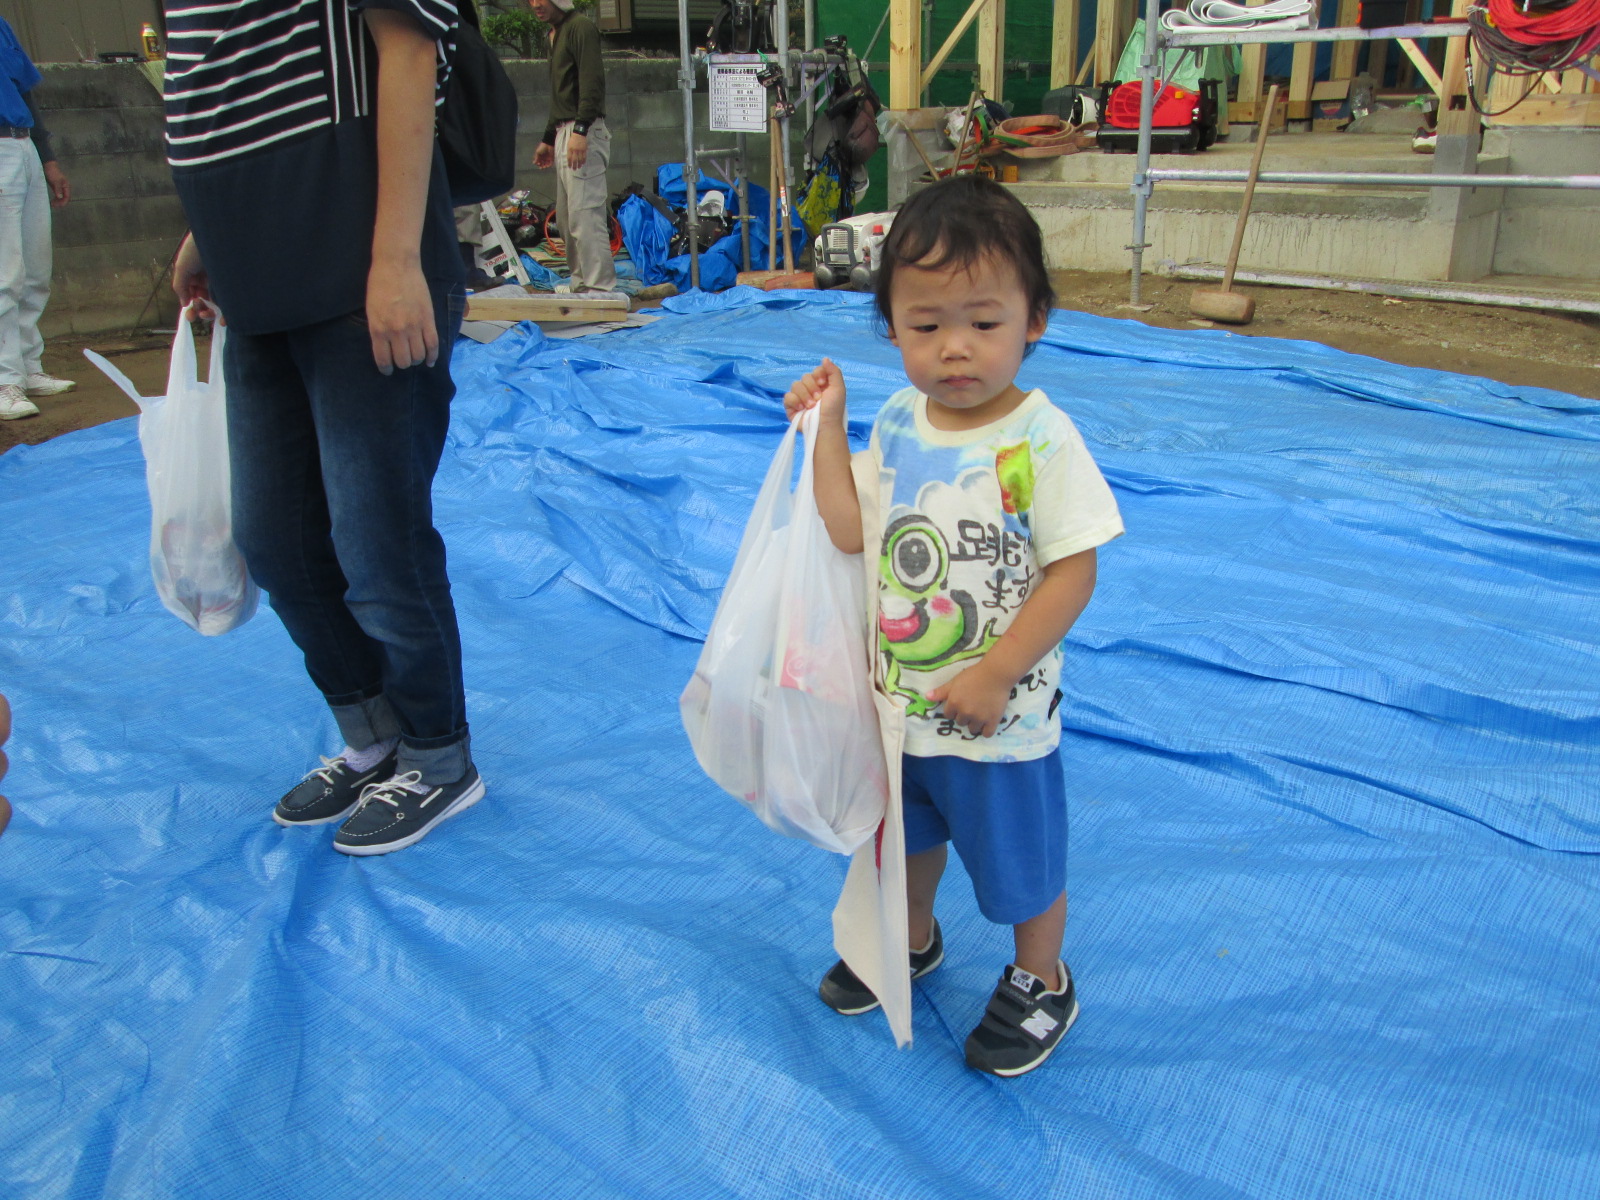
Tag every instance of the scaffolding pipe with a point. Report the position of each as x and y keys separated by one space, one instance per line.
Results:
x=1141 y=171
x=1339 y=33
x=1456 y=293
x=1375 y=178
x=691 y=163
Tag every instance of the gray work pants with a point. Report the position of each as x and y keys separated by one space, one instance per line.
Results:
x=581 y=210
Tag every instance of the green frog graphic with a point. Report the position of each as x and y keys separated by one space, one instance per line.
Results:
x=922 y=623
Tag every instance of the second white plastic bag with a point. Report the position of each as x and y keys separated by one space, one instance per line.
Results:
x=198 y=571
x=780 y=709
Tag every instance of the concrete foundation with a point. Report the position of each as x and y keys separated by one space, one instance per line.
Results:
x=1084 y=206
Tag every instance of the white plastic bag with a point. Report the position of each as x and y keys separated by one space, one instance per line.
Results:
x=780 y=709
x=198 y=571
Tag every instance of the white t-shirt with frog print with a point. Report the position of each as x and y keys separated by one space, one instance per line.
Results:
x=970 y=520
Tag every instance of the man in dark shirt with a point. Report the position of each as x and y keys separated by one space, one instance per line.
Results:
x=578 y=144
x=31 y=184
x=302 y=144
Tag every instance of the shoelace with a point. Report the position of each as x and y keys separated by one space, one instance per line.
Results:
x=326 y=770
x=390 y=790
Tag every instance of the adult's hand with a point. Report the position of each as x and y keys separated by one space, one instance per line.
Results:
x=5 y=732
x=189 y=274
x=577 y=151
x=400 y=315
x=56 y=180
x=544 y=156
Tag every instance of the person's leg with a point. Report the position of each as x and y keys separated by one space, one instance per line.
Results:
x=1038 y=942
x=923 y=872
x=282 y=526
x=36 y=263
x=588 y=237
x=563 y=203
x=14 y=154
x=380 y=439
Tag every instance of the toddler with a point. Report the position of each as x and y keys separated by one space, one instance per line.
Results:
x=991 y=509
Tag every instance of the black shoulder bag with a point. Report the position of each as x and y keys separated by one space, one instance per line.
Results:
x=478 y=119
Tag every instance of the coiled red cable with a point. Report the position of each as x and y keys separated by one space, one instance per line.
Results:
x=1578 y=21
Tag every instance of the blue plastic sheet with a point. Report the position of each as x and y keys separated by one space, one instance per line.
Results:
x=1330 y=744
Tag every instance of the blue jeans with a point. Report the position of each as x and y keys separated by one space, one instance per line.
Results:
x=333 y=468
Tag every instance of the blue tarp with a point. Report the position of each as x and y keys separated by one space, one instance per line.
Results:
x=1331 y=752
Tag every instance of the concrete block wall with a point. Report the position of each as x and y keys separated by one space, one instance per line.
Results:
x=113 y=242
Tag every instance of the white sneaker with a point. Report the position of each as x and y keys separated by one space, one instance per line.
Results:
x=13 y=404
x=40 y=384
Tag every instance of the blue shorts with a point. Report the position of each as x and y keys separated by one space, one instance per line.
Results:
x=1008 y=821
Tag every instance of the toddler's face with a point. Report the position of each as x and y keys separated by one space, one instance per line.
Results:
x=962 y=334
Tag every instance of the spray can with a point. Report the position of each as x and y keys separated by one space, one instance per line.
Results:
x=152 y=41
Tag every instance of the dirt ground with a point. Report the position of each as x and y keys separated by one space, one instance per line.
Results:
x=1514 y=346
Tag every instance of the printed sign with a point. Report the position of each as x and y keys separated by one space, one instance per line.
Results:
x=738 y=103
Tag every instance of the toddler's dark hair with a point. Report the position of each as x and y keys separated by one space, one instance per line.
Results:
x=957 y=222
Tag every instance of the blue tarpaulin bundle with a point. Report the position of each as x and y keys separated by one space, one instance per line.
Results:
x=1330 y=743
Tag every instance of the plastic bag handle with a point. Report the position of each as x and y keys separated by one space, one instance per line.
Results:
x=184 y=371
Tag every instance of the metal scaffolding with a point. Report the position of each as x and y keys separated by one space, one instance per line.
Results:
x=1159 y=39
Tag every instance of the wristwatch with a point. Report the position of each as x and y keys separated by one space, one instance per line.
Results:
x=581 y=128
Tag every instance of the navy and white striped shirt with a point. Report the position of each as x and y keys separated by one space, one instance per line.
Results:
x=243 y=75
x=272 y=137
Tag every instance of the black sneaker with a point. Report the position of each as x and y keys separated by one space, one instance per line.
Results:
x=392 y=816
x=1024 y=1022
x=330 y=793
x=844 y=993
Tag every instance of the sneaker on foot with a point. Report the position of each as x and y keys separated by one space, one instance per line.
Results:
x=14 y=405
x=1023 y=1024
x=843 y=991
x=400 y=811
x=329 y=793
x=1425 y=140
x=40 y=384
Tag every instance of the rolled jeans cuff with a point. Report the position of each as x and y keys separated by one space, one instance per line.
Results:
x=365 y=721
x=437 y=764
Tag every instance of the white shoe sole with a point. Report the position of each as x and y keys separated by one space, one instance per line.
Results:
x=1013 y=1072
x=50 y=391
x=460 y=804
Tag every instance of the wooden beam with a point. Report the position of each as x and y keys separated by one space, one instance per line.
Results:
x=1344 y=53
x=992 y=49
x=1579 y=110
x=1246 y=108
x=563 y=308
x=1300 y=72
x=937 y=61
x=1063 y=43
x=1420 y=61
x=905 y=54
x=1107 y=43
x=1456 y=116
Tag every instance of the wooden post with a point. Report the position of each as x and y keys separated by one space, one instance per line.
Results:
x=1456 y=117
x=1344 y=53
x=1300 y=72
x=943 y=52
x=1063 y=43
x=1108 y=38
x=992 y=49
x=1252 y=64
x=905 y=54
x=1423 y=66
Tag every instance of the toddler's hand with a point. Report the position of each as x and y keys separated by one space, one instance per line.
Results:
x=975 y=699
x=822 y=389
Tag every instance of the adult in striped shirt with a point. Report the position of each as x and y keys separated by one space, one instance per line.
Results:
x=301 y=138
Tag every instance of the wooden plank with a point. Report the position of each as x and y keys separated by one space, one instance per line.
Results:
x=1246 y=109
x=1300 y=72
x=1572 y=111
x=1423 y=66
x=943 y=53
x=992 y=49
x=905 y=54
x=1107 y=43
x=547 y=307
x=1344 y=53
x=1456 y=116
x=1063 y=43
